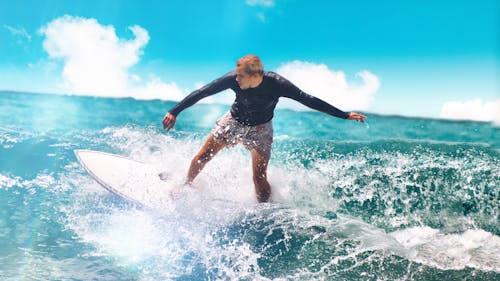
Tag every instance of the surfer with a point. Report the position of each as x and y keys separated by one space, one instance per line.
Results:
x=249 y=121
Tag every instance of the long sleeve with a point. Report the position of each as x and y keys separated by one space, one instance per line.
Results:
x=293 y=92
x=223 y=83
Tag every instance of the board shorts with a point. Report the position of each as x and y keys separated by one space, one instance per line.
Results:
x=231 y=132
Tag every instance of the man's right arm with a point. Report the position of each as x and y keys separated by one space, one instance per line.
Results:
x=218 y=85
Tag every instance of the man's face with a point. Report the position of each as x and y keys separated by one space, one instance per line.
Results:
x=244 y=79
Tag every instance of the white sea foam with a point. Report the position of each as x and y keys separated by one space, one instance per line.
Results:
x=474 y=248
x=215 y=227
x=7 y=181
x=41 y=180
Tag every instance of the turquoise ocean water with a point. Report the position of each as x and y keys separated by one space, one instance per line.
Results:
x=395 y=199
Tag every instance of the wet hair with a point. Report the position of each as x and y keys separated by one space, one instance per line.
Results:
x=251 y=65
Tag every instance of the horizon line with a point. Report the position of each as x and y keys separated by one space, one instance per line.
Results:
x=393 y=115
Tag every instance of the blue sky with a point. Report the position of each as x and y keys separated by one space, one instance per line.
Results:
x=416 y=58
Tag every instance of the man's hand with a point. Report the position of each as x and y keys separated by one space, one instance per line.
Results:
x=356 y=116
x=168 y=121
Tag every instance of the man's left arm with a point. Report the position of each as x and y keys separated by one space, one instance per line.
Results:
x=356 y=116
x=293 y=92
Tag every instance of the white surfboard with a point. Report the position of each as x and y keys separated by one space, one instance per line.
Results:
x=132 y=180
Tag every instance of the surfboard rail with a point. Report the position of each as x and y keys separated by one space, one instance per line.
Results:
x=119 y=174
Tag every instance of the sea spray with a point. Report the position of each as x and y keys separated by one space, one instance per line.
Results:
x=402 y=199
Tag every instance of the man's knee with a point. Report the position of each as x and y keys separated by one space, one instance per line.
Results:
x=207 y=153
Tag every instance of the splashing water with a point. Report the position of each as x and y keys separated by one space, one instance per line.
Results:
x=349 y=202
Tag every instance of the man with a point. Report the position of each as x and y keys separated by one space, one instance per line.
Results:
x=249 y=121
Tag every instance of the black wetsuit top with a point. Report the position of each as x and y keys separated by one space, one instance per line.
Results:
x=255 y=106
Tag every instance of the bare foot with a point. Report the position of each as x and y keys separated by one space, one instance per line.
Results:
x=176 y=192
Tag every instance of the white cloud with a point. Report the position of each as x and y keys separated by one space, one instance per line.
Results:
x=97 y=62
x=475 y=109
x=21 y=32
x=156 y=89
x=263 y=3
x=331 y=86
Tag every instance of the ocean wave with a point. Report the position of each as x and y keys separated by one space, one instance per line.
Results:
x=473 y=248
x=348 y=203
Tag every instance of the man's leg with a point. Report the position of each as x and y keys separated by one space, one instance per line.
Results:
x=206 y=153
x=259 y=165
